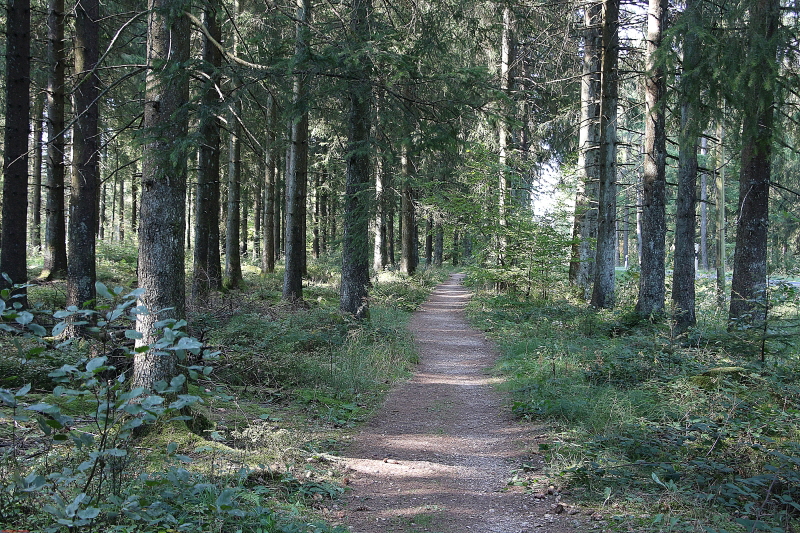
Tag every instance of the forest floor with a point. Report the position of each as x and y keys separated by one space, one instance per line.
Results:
x=441 y=455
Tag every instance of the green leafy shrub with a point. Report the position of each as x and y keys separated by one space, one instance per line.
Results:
x=74 y=461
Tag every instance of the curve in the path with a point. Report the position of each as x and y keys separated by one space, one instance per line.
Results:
x=438 y=455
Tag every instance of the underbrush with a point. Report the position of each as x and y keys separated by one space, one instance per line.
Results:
x=243 y=441
x=660 y=432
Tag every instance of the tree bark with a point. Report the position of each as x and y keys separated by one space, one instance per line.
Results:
x=455 y=258
x=581 y=269
x=13 y=260
x=390 y=234
x=135 y=177
x=683 y=279
x=297 y=166
x=429 y=241
x=355 y=241
x=82 y=275
x=603 y=291
x=379 y=221
x=161 y=226
x=315 y=242
x=35 y=228
x=120 y=229
x=438 y=246
x=55 y=238
x=720 y=190
x=749 y=283
x=206 y=218
x=408 y=264
x=268 y=254
x=703 y=209
x=506 y=60
x=233 y=264
x=258 y=214
x=654 y=226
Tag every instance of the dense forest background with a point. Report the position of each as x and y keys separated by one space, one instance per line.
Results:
x=395 y=134
x=638 y=157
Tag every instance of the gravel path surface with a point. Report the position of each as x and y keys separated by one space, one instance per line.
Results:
x=438 y=456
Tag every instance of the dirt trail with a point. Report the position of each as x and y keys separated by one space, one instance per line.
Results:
x=438 y=456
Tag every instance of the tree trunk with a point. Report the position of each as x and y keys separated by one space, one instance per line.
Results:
x=379 y=222
x=429 y=241
x=581 y=269
x=704 y=209
x=603 y=292
x=333 y=207
x=135 y=177
x=721 y=251
x=244 y=220
x=355 y=242
x=36 y=178
x=280 y=213
x=438 y=247
x=268 y=256
x=13 y=260
x=120 y=233
x=506 y=60
x=297 y=165
x=81 y=275
x=683 y=280
x=654 y=225
x=233 y=265
x=55 y=238
x=258 y=215
x=455 y=248
x=206 y=219
x=189 y=204
x=315 y=244
x=749 y=283
x=101 y=226
x=161 y=226
x=408 y=265
x=390 y=234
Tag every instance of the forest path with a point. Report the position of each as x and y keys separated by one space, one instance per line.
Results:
x=438 y=456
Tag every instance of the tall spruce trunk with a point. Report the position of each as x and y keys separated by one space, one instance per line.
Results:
x=683 y=278
x=749 y=283
x=379 y=258
x=438 y=244
x=13 y=260
x=35 y=228
x=244 y=217
x=603 y=291
x=120 y=227
x=654 y=225
x=584 y=233
x=315 y=229
x=429 y=241
x=163 y=204
x=719 y=184
x=503 y=134
x=258 y=217
x=270 y=150
x=206 y=218
x=55 y=236
x=408 y=263
x=233 y=264
x=81 y=274
x=297 y=165
x=355 y=239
